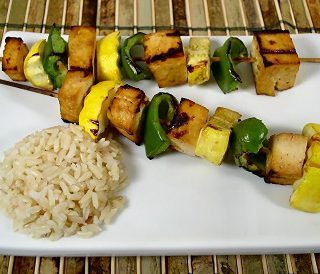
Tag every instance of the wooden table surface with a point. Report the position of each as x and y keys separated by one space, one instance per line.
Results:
x=191 y=17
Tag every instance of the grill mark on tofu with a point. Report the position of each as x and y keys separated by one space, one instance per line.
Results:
x=264 y=50
x=140 y=97
x=86 y=70
x=178 y=135
x=180 y=120
x=173 y=33
x=171 y=53
x=18 y=39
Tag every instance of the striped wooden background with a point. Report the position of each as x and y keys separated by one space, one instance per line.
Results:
x=192 y=17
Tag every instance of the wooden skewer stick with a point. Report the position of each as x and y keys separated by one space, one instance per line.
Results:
x=55 y=94
x=250 y=59
x=243 y=59
x=29 y=88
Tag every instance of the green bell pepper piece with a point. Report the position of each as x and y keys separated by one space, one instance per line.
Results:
x=248 y=139
x=224 y=71
x=55 y=57
x=160 y=113
x=131 y=68
x=56 y=70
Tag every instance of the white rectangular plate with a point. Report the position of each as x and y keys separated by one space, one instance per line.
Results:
x=180 y=204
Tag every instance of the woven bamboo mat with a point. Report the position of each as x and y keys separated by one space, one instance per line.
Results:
x=191 y=17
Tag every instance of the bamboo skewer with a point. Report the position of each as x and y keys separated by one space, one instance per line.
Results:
x=29 y=88
x=243 y=59
x=249 y=59
x=213 y=59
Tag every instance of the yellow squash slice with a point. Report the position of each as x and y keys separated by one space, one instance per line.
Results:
x=213 y=140
x=108 y=58
x=306 y=195
x=33 y=68
x=93 y=116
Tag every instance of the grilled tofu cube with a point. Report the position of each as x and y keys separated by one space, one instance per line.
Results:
x=164 y=55
x=15 y=51
x=185 y=128
x=286 y=158
x=277 y=62
x=82 y=46
x=74 y=89
x=126 y=112
x=198 y=61
x=214 y=138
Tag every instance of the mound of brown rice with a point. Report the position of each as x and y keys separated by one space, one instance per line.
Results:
x=58 y=182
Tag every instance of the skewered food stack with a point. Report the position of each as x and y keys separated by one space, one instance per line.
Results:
x=277 y=62
x=184 y=126
x=80 y=77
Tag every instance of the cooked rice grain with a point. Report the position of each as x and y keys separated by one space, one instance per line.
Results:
x=58 y=182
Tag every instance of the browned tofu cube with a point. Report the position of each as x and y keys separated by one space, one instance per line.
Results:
x=74 y=89
x=286 y=158
x=82 y=45
x=184 y=131
x=15 y=51
x=126 y=112
x=164 y=55
x=277 y=62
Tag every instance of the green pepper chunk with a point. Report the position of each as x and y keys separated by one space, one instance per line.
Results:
x=247 y=142
x=55 y=57
x=160 y=113
x=224 y=71
x=132 y=69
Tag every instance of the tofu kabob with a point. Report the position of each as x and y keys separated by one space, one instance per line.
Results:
x=164 y=124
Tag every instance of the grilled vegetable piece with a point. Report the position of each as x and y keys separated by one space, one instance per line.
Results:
x=277 y=62
x=93 y=116
x=213 y=141
x=72 y=93
x=313 y=155
x=224 y=71
x=132 y=69
x=163 y=52
x=126 y=112
x=108 y=58
x=14 y=54
x=247 y=143
x=160 y=113
x=312 y=131
x=286 y=157
x=55 y=58
x=82 y=45
x=185 y=128
x=306 y=194
x=198 y=64
x=33 y=68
